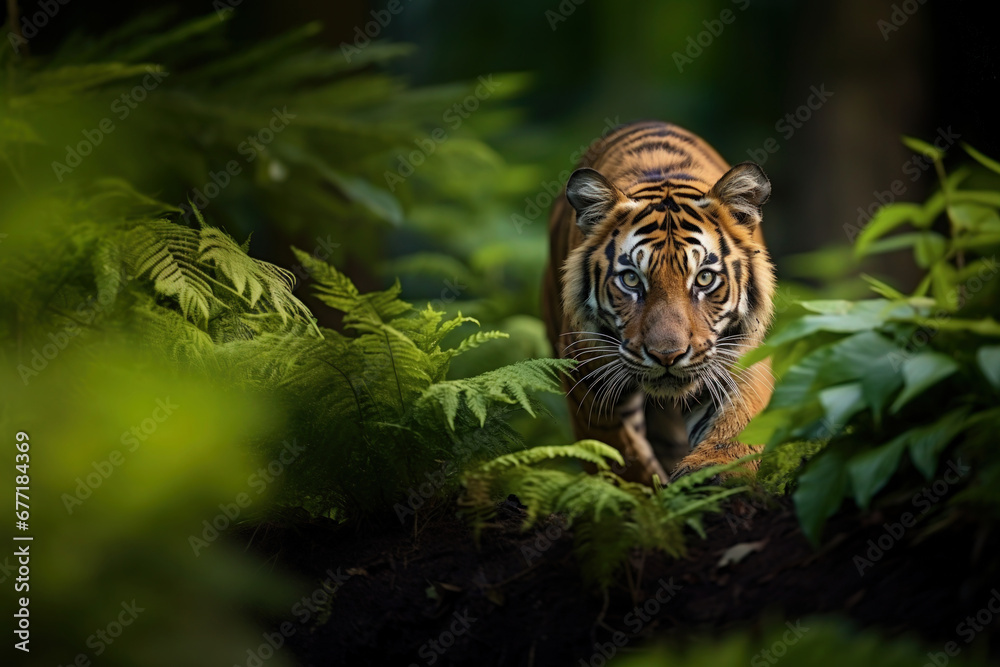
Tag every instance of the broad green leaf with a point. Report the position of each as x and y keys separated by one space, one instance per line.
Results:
x=984 y=268
x=929 y=249
x=924 y=148
x=884 y=221
x=882 y=289
x=870 y=470
x=846 y=360
x=800 y=380
x=762 y=427
x=943 y=281
x=987 y=197
x=821 y=488
x=988 y=358
x=854 y=355
x=838 y=317
x=972 y=217
x=978 y=241
x=896 y=242
x=987 y=162
x=920 y=372
x=926 y=442
x=881 y=380
x=842 y=402
x=986 y=326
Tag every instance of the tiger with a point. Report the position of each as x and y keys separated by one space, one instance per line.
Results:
x=657 y=282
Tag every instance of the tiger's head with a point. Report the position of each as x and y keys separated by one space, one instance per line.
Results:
x=672 y=284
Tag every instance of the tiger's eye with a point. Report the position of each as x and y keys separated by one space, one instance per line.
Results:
x=630 y=278
x=705 y=278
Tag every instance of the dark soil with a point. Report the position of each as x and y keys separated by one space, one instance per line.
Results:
x=517 y=599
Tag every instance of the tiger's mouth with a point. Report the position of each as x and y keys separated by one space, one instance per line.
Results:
x=670 y=385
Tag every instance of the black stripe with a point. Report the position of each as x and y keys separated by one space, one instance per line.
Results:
x=723 y=246
x=628 y=131
x=697 y=194
x=690 y=226
x=648 y=229
x=690 y=211
x=696 y=432
x=585 y=283
x=753 y=294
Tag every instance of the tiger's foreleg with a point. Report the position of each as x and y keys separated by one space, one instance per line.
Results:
x=720 y=445
x=624 y=428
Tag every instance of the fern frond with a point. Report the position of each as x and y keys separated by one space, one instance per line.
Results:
x=509 y=384
x=337 y=291
x=477 y=339
x=168 y=253
x=261 y=279
x=591 y=451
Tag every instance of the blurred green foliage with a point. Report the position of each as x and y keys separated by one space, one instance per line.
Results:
x=806 y=642
x=171 y=385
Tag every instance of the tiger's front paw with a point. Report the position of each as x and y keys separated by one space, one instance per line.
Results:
x=644 y=465
x=706 y=455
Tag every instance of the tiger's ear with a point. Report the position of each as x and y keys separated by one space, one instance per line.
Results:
x=593 y=197
x=744 y=189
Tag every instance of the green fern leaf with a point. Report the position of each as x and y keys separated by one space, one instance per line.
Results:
x=166 y=253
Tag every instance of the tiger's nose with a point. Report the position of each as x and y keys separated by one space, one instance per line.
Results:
x=667 y=357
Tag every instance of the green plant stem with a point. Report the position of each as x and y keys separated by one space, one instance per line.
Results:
x=953 y=228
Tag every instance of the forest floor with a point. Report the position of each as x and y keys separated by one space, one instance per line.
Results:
x=426 y=594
